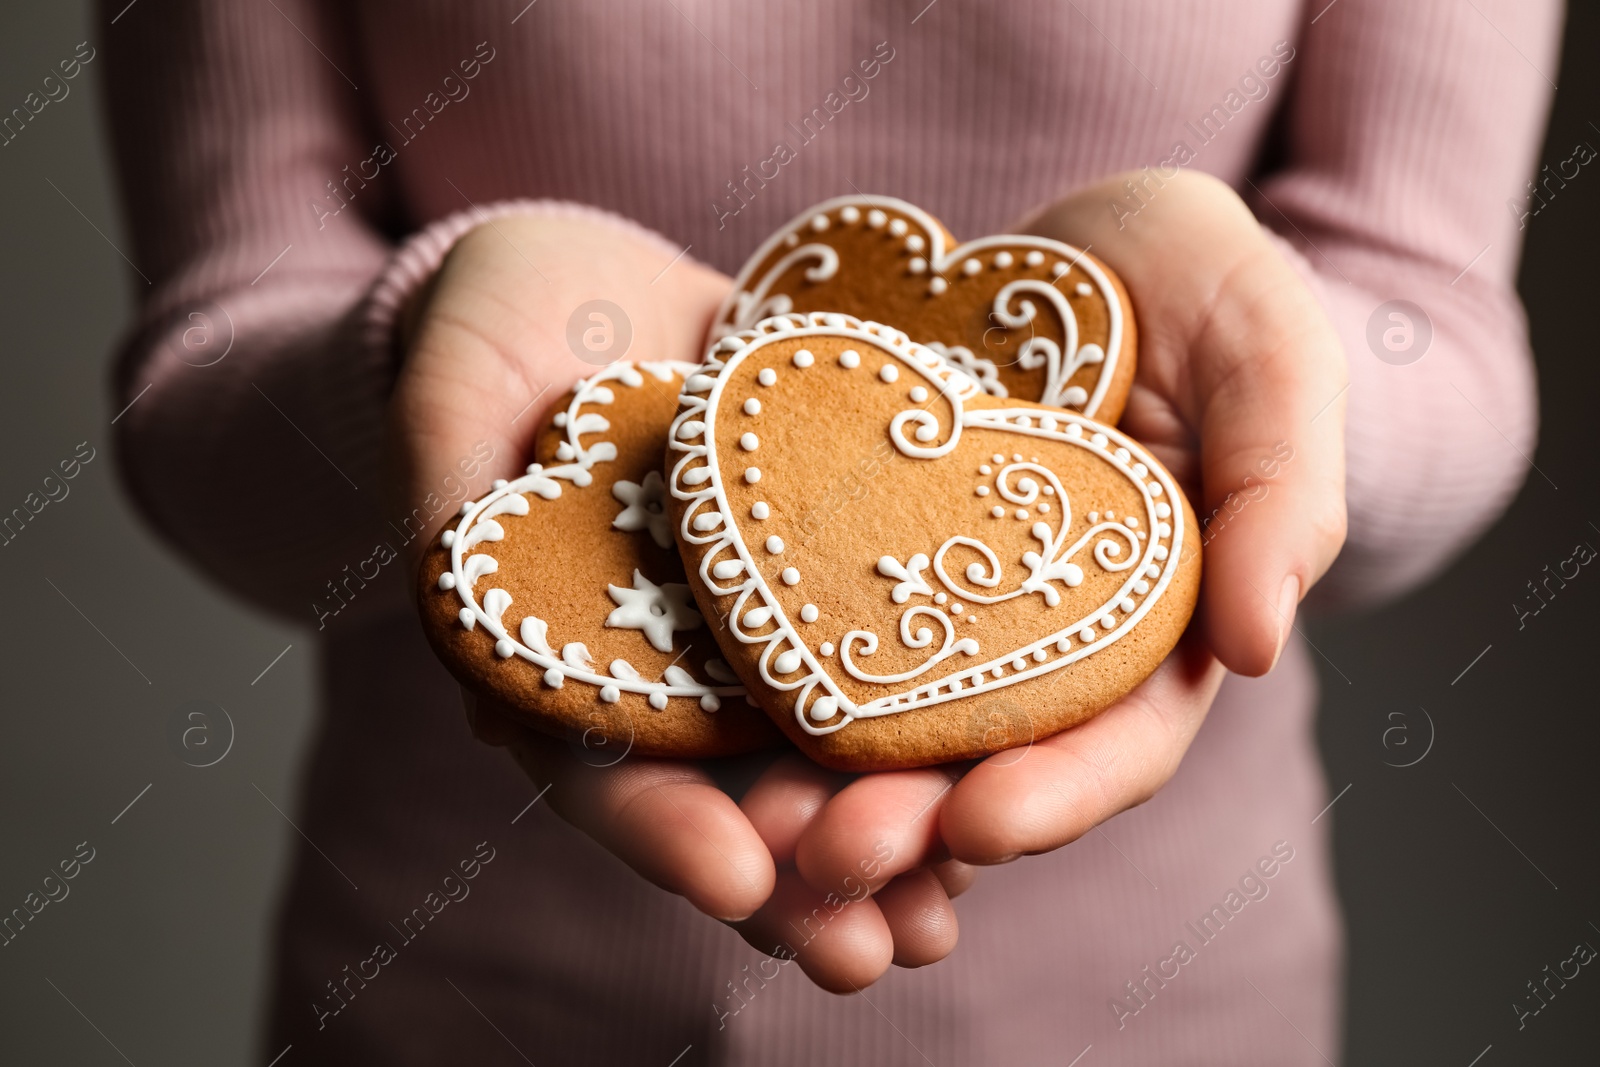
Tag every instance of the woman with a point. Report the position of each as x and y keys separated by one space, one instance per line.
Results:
x=378 y=205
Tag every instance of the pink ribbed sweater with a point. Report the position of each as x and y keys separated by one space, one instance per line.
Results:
x=275 y=156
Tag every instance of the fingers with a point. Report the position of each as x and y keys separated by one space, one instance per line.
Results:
x=842 y=944
x=665 y=819
x=1270 y=376
x=785 y=799
x=955 y=876
x=877 y=827
x=1065 y=785
x=917 y=911
x=1236 y=356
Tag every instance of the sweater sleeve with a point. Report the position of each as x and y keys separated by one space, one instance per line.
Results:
x=1410 y=126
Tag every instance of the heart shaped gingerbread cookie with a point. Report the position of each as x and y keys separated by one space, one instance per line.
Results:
x=903 y=561
x=562 y=594
x=1026 y=317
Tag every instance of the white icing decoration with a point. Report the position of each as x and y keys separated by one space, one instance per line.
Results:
x=851 y=214
x=759 y=510
x=790 y=576
x=787 y=663
x=849 y=359
x=889 y=372
x=774 y=544
x=748 y=441
x=748 y=304
x=918 y=394
x=657 y=610
x=752 y=475
x=751 y=407
x=768 y=376
x=803 y=359
x=645 y=508
x=477 y=527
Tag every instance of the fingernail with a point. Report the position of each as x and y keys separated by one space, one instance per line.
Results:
x=1288 y=601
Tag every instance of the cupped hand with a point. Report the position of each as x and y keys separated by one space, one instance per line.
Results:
x=1239 y=391
x=487 y=350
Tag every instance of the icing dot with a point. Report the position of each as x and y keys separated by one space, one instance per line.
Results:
x=1019 y=664
x=792 y=239
x=447 y=580
x=768 y=376
x=1163 y=530
x=1126 y=604
x=998 y=458
x=504 y=648
x=759 y=510
x=1082 y=289
x=940 y=598
x=808 y=613
x=1044 y=507
x=1107 y=621
x=658 y=701
x=467 y=505
x=997 y=511
x=1003 y=260
x=1098 y=440
x=803 y=358
x=971 y=266
x=1163 y=509
x=1155 y=488
x=819 y=222
x=889 y=372
x=752 y=475
x=876 y=219
x=447 y=538
x=752 y=406
x=1152 y=571
x=898 y=227
x=1040 y=655
x=467 y=618
x=1049 y=490
x=849 y=359
x=1140 y=469
x=1022 y=513
x=918 y=394
x=1122 y=454
x=610 y=694
x=825 y=708
x=1131 y=520
x=937 y=286
x=914 y=243
x=1016 y=457
x=956 y=607
x=1063 y=644
x=1141 y=587
x=1058 y=270
x=850 y=214
x=826 y=648
x=710 y=702
x=786 y=662
x=983 y=490
x=559 y=419
x=749 y=442
x=1074 y=430
x=917 y=265
x=553 y=678
x=1094 y=516
x=500 y=483
x=1034 y=258
x=1086 y=635
x=984 y=468
x=790 y=576
x=774 y=544
x=998 y=671
x=972 y=618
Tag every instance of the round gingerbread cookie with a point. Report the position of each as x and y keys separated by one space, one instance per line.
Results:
x=913 y=571
x=1026 y=317
x=562 y=594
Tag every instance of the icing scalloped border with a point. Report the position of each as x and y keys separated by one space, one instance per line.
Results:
x=751 y=300
x=477 y=526
x=709 y=520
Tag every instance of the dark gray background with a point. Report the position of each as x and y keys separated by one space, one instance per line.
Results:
x=1463 y=875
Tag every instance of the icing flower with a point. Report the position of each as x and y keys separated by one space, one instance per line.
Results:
x=655 y=609
x=646 y=507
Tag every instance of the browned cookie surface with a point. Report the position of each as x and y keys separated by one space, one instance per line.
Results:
x=911 y=571
x=562 y=593
x=1027 y=317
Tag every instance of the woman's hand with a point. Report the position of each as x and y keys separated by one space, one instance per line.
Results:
x=487 y=350
x=1240 y=374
